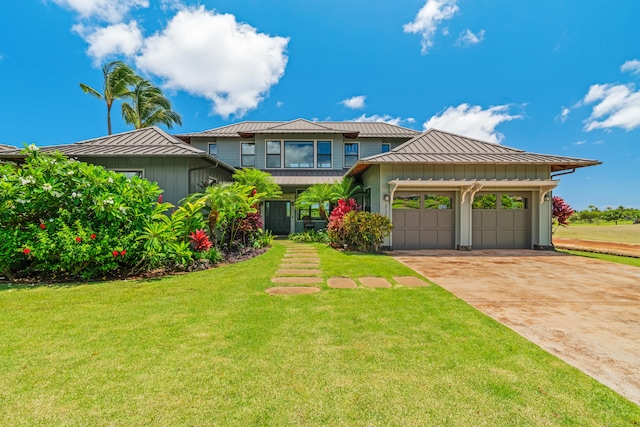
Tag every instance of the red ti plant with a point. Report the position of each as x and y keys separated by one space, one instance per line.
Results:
x=336 y=222
x=200 y=241
x=561 y=212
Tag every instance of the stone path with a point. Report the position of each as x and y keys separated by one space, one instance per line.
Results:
x=300 y=268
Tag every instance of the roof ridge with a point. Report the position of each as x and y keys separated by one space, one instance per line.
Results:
x=471 y=138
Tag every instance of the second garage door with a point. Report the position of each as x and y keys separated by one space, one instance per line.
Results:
x=501 y=220
x=423 y=220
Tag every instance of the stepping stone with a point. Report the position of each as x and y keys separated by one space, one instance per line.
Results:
x=297 y=272
x=299 y=265
x=301 y=255
x=292 y=290
x=341 y=283
x=374 y=282
x=297 y=280
x=410 y=281
x=301 y=261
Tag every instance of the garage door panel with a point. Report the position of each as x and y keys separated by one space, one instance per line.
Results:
x=501 y=221
x=446 y=219
x=427 y=223
x=412 y=219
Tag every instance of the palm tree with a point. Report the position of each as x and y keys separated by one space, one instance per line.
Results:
x=117 y=78
x=261 y=181
x=345 y=189
x=319 y=195
x=148 y=107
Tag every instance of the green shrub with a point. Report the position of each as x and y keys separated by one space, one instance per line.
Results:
x=319 y=236
x=64 y=219
x=263 y=238
x=364 y=231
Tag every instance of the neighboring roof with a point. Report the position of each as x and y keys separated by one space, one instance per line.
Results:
x=302 y=178
x=302 y=126
x=436 y=146
x=7 y=148
x=146 y=142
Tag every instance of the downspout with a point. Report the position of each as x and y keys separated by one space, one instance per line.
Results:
x=564 y=173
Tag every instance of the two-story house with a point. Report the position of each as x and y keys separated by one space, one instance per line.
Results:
x=440 y=190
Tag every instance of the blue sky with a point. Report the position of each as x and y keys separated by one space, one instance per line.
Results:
x=547 y=76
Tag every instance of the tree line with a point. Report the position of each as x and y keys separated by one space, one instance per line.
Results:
x=593 y=215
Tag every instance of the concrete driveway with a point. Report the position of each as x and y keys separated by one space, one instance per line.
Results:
x=585 y=311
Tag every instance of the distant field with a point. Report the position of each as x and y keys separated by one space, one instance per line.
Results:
x=627 y=233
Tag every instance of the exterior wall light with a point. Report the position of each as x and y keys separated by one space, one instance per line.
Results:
x=386 y=197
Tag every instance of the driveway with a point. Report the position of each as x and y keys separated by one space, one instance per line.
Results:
x=585 y=311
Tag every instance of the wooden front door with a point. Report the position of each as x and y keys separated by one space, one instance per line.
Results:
x=277 y=217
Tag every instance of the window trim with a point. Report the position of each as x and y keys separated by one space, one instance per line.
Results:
x=387 y=144
x=283 y=148
x=344 y=152
x=243 y=155
x=123 y=170
x=215 y=144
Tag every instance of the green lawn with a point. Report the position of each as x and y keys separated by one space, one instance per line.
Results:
x=623 y=233
x=606 y=257
x=211 y=348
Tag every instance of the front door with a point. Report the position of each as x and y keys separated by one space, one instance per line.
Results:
x=277 y=216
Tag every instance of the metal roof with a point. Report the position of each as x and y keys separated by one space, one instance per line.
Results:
x=302 y=178
x=147 y=142
x=435 y=146
x=7 y=148
x=301 y=126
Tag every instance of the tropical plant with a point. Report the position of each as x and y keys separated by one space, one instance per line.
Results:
x=148 y=107
x=200 y=241
x=117 y=77
x=364 y=231
x=345 y=189
x=264 y=184
x=337 y=232
x=318 y=196
x=319 y=236
x=561 y=212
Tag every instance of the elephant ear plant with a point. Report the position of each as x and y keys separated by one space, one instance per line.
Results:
x=61 y=219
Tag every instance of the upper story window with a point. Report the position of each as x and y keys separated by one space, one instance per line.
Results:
x=351 y=154
x=323 y=154
x=213 y=149
x=299 y=154
x=274 y=154
x=248 y=154
x=386 y=147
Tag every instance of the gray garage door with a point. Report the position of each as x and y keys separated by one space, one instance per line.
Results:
x=501 y=220
x=423 y=220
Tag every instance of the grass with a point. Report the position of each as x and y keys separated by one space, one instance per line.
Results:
x=605 y=257
x=211 y=348
x=623 y=233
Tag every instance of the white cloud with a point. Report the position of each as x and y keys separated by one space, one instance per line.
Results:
x=467 y=38
x=633 y=66
x=564 y=114
x=427 y=20
x=212 y=55
x=125 y=39
x=355 y=103
x=112 y=11
x=385 y=118
x=579 y=142
x=616 y=106
x=473 y=121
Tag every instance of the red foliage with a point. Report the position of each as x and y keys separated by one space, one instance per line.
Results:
x=200 y=241
x=561 y=211
x=335 y=226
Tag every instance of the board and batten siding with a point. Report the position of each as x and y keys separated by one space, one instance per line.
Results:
x=170 y=173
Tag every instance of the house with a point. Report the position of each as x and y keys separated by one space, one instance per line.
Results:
x=151 y=153
x=440 y=190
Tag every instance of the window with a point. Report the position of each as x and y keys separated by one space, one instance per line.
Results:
x=434 y=201
x=312 y=212
x=248 y=154
x=323 y=156
x=509 y=201
x=485 y=201
x=274 y=154
x=130 y=173
x=408 y=201
x=350 y=154
x=213 y=149
x=386 y=147
x=298 y=154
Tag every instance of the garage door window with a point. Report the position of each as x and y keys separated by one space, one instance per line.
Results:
x=410 y=201
x=485 y=201
x=434 y=201
x=509 y=201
